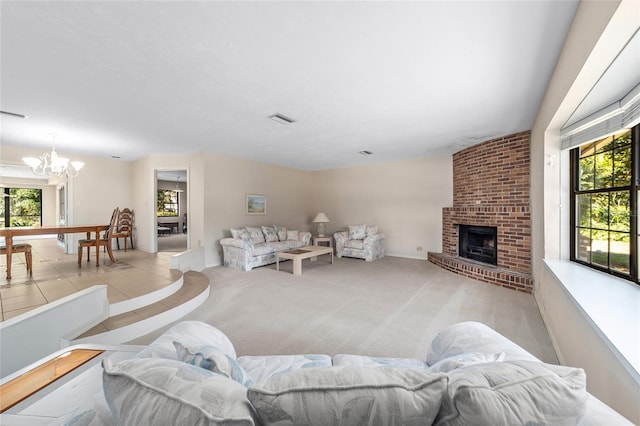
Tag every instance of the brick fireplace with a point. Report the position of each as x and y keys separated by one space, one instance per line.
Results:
x=491 y=189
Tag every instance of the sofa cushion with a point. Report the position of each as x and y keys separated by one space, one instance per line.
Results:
x=295 y=244
x=279 y=246
x=260 y=368
x=189 y=333
x=357 y=232
x=463 y=360
x=378 y=362
x=292 y=235
x=281 y=231
x=155 y=391
x=514 y=392
x=213 y=359
x=256 y=235
x=349 y=396
x=269 y=234
x=354 y=244
x=261 y=249
x=371 y=230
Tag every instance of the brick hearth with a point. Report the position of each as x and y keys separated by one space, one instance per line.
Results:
x=491 y=188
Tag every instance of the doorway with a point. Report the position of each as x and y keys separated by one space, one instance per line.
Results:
x=172 y=201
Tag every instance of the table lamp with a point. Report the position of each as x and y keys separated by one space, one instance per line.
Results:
x=321 y=219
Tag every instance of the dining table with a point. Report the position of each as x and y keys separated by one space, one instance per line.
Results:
x=9 y=233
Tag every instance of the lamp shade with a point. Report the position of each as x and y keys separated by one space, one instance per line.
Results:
x=321 y=218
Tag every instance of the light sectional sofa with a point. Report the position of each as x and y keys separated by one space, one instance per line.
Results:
x=471 y=376
x=250 y=247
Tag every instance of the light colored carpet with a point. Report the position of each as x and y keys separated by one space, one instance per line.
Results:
x=390 y=307
x=172 y=243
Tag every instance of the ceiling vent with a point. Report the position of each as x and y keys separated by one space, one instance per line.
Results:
x=365 y=152
x=282 y=119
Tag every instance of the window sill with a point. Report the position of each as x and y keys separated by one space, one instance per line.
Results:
x=610 y=304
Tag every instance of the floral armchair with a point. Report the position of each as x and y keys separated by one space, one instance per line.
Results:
x=361 y=241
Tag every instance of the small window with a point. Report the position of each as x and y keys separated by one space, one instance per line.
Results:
x=21 y=207
x=604 y=197
x=167 y=205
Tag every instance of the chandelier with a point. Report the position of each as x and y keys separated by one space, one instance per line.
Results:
x=53 y=165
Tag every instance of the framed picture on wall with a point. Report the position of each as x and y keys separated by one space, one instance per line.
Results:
x=256 y=204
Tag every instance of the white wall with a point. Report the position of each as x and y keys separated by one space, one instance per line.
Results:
x=599 y=31
x=404 y=199
x=228 y=180
x=144 y=187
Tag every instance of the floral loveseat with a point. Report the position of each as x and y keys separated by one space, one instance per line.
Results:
x=250 y=247
x=361 y=241
x=472 y=375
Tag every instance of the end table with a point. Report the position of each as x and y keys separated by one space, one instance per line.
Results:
x=326 y=239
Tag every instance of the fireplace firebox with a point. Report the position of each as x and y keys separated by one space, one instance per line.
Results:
x=478 y=243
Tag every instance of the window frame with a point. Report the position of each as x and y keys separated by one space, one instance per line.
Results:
x=632 y=188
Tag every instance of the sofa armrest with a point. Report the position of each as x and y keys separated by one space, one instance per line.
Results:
x=236 y=242
x=471 y=336
x=305 y=237
x=340 y=237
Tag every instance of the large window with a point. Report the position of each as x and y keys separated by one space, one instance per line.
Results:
x=20 y=207
x=167 y=205
x=604 y=202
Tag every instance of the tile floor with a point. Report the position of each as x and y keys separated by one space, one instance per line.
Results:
x=56 y=275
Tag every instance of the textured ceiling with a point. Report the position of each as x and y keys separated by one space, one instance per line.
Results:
x=401 y=79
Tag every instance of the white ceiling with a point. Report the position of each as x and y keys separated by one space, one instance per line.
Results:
x=401 y=79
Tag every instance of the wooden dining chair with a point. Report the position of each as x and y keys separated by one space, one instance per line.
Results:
x=125 y=228
x=21 y=248
x=103 y=240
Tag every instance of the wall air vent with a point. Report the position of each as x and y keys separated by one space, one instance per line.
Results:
x=365 y=152
x=282 y=119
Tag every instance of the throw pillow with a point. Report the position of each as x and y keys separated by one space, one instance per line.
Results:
x=159 y=391
x=357 y=232
x=244 y=236
x=372 y=230
x=240 y=234
x=514 y=392
x=462 y=360
x=213 y=359
x=281 y=231
x=191 y=333
x=256 y=235
x=269 y=234
x=292 y=235
x=349 y=396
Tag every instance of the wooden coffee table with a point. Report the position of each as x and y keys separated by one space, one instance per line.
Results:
x=297 y=255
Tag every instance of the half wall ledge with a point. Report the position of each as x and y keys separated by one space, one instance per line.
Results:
x=483 y=272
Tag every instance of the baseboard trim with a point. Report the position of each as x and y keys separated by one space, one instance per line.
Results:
x=404 y=256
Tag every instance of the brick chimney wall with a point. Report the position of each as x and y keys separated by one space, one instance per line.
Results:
x=491 y=188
